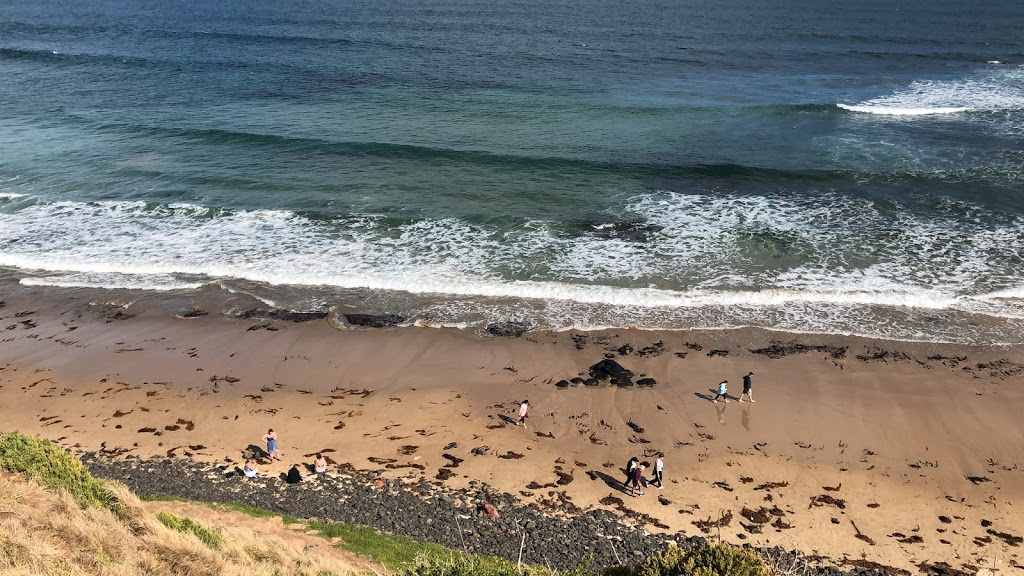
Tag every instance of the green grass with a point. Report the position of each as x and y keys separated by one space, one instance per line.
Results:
x=208 y=537
x=392 y=551
x=52 y=467
x=163 y=498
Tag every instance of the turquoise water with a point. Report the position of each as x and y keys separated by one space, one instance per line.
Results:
x=848 y=169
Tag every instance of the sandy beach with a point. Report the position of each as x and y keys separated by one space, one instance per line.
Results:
x=887 y=452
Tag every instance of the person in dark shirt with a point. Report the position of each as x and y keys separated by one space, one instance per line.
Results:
x=747 y=388
x=293 y=475
x=638 y=476
x=633 y=462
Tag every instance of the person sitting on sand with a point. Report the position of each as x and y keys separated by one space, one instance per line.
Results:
x=524 y=411
x=747 y=387
x=721 y=392
x=271 y=439
x=293 y=475
x=250 y=470
x=629 y=470
x=638 y=476
x=320 y=464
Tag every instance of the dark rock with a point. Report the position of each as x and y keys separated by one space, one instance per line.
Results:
x=779 y=349
x=624 y=350
x=646 y=382
x=562 y=384
x=609 y=369
x=591 y=382
x=480 y=450
x=375 y=320
x=191 y=313
x=576 y=381
x=508 y=329
x=285 y=315
x=424 y=511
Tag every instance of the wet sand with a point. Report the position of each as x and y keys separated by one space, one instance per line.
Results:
x=857 y=450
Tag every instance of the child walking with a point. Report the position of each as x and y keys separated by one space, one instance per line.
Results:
x=721 y=392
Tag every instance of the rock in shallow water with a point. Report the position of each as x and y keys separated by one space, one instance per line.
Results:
x=374 y=320
x=511 y=329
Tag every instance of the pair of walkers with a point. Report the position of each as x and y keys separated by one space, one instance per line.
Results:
x=635 y=475
x=748 y=387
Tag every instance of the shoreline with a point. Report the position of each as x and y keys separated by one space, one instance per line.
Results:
x=475 y=314
x=893 y=430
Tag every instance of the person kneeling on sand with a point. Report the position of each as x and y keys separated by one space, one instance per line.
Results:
x=320 y=464
x=250 y=470
x=638 y=475
x=293 y=475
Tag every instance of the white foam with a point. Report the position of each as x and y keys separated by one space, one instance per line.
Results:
x=896 y=111
x=802 y=257
x=10 y=195
x=989 y=90
x=1008 y=293
x=111 y=281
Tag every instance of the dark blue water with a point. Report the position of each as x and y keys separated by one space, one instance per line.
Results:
x=852 y=168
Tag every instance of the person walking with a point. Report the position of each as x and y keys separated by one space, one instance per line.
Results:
x=638 y=476
x=633 y=463
x=524 y=411
x=659 y=469
x=271 y=438
x=722 y=391
x=747 y=388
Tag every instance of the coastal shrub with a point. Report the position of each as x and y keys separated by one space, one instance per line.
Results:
x=52 y=467
x=703 y=560
x=208 y=537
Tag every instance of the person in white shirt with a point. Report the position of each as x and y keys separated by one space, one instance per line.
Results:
x=659 y=467
x=524 y=411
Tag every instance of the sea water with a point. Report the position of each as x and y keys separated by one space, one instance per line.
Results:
x=850 y=167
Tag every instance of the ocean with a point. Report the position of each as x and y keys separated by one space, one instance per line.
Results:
x=838 y=168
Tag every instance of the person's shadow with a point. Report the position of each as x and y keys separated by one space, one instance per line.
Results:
x=507 y=419
x=711 y=397
x=614 y=483
x=254 y=452
x=745 y=417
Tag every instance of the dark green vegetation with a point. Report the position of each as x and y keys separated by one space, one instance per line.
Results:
x=208 y=537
